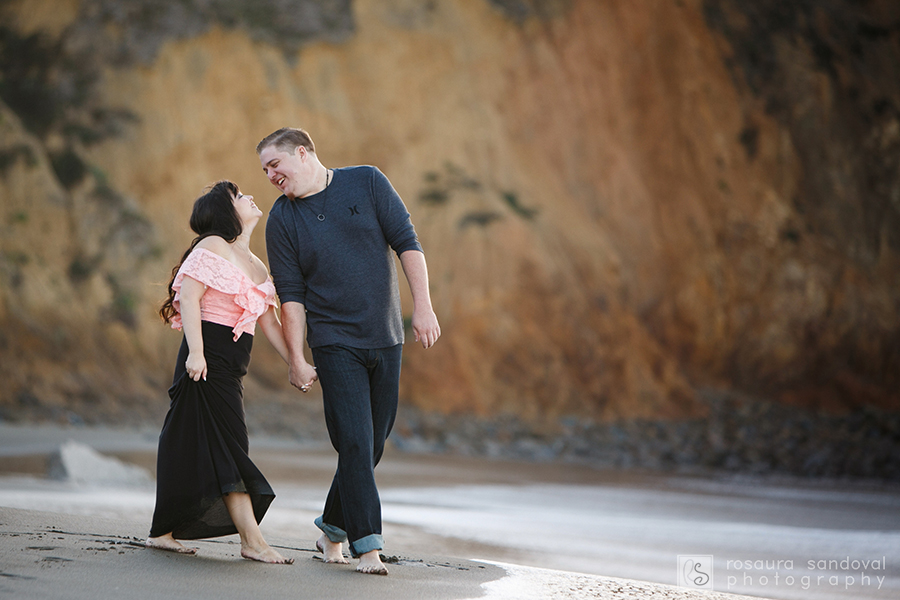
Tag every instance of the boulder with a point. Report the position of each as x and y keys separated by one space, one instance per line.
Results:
x=80 y=463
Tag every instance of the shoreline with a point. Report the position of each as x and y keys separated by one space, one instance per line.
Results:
x=25 y=446
x=739 y=436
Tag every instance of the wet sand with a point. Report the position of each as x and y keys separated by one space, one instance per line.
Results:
x=47 y=555
x=53 y=555
x=455 y=527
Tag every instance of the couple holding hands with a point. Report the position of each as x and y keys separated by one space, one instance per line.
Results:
x=330 y=240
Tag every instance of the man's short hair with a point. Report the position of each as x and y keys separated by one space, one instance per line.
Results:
x=287 y=139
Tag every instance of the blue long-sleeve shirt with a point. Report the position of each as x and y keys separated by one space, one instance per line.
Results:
x=341 y=268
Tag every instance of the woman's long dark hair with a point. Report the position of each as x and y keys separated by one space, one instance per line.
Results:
x=213 y=214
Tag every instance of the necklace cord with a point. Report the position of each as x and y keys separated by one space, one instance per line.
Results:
x=321 y=214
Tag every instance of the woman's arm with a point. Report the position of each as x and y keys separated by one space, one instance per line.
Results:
x=271 y=327
x=191 y=292
x=303 y=374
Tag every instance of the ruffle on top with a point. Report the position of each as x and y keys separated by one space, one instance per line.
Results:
x=231 y=298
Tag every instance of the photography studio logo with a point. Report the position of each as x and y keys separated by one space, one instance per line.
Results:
x=695 y=571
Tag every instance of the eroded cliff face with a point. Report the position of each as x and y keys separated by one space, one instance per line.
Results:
x=616 y=208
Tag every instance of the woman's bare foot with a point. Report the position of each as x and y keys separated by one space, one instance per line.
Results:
x=333 y=552
x=370 y=564
x=253 y=544
x=167 y=542
x=265 y=554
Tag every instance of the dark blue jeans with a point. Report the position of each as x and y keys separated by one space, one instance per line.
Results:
x=360 y=388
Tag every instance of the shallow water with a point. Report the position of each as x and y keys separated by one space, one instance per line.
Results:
x=638 y=533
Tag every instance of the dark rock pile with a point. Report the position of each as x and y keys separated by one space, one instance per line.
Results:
x=738 y=435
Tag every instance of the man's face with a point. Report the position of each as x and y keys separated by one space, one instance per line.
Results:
x=291 y=173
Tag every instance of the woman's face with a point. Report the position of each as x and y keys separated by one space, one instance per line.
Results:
x=246 y=208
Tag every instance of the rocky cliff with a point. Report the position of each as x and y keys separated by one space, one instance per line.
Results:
x=621 y=203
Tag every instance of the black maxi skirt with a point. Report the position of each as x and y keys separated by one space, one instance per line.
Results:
x=203 y=444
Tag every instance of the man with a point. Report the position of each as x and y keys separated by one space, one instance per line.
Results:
x=329 y=239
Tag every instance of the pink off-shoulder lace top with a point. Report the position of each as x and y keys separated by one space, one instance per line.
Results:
x=231 y=297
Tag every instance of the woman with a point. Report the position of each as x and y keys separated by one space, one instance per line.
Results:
x=207 y=486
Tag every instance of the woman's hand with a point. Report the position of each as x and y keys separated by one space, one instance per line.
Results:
x=191 y=292
x=196 y=366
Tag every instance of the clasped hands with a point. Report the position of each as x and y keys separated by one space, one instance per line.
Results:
x=303 y=375
x=425 y=328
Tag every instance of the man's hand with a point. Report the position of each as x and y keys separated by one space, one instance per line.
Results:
x=303 y=375
x=426 y=328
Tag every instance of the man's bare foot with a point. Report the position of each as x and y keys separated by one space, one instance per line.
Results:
x=333 y=552
x=170 y=544
x=370 y=564
x=266 y=554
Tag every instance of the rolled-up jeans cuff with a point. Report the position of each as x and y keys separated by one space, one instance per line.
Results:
x=371 y=542
x=335 y=534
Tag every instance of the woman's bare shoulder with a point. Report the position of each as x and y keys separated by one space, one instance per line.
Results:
x=216 y=245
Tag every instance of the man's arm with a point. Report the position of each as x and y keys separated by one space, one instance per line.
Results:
x=424 y=321
x=293 y=323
